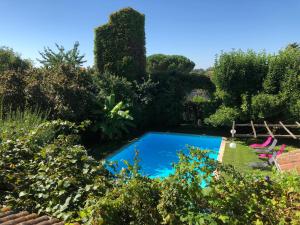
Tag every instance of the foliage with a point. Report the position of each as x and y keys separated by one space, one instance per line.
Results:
x=266 y=106
x=131 y=202
x=15 y=124
x=247 y=198
x=11 y=61
x=261 y=86
x=45 y=170
x=116 y=119
x=223 y=116
x=12 y=89
x=160 y=63
x=68 y=93
x=120 y=45
x=182 y=199
x=237 y=72
x=287 y=60
x=198 y=105
x=174 y=83
x=71 y=57
x=109 y=84
x=167 y=105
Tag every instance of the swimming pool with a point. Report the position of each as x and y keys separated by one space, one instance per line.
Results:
x=157 y=151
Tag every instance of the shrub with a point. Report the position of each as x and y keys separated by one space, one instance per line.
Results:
x=9 y=60
x=45 y=170
x=182 y=199
x=132 y=202
x=160 y=63
x=198 y=105
x=120 y=45
x=251 y=198
x=223 y=116
x=12 y=90
x=15 y=124
x=280 y=66
x=116 y=119
x=237 y=72
x=68 y=93
x=266 y=106
x=109 y=84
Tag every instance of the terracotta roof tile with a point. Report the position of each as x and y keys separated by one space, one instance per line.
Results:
x=9 y=217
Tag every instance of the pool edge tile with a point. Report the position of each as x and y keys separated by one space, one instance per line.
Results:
x=222 y=149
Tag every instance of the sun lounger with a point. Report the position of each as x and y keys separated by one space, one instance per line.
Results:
x=263 y=145
x=270 y=149
x=270 y=155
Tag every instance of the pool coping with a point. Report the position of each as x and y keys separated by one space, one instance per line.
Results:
x=222 y=149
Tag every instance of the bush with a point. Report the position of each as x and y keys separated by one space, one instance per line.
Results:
x=109 y=84
x=198 y=105
x=237 y=73
x=45 y=170
x=160 y=63
x=280 y=66
x=266 y=106
x=132 y=202
x=12 y=90
x=11 y=61
x=116 y=119
x=224 y=116
x=250 y=198
x=67 y=92
x=120 y=45
x=15 y=124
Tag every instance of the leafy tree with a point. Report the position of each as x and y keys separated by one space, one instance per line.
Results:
x=223 y=116
x=160 y=63
x=10 y=60
x=237 y=72
x=120 y=45
x=266 y=106
x=72 y=57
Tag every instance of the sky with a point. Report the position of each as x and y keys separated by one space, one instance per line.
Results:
x=197 y=29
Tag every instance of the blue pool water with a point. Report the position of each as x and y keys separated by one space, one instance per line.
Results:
x=157 y=151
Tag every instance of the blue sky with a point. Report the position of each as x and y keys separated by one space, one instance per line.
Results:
x=197 y=29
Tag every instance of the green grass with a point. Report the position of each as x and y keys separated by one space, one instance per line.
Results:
x=240 y=157
x=243 y=154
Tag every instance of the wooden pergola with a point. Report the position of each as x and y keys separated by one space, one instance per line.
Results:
x=269 y=128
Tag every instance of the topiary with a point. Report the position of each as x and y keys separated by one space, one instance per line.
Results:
x=120 y=45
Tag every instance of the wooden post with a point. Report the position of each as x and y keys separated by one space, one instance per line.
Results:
x=270 y=132
x=287 y=130
x=298 y=124
x=253 y=128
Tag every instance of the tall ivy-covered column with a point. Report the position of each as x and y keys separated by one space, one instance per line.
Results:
x=120 y=45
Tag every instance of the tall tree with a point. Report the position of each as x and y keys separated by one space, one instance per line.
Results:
x=120 y=45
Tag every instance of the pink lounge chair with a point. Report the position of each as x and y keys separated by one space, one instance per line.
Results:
x=263 y=145
x=263 y=156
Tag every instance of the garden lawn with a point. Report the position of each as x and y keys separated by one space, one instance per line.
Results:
x=243 y=154
x=241 y=157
